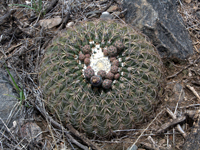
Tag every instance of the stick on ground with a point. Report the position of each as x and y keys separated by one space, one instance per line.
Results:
x=75 y=132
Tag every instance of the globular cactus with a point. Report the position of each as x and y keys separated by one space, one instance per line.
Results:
x=117 y=103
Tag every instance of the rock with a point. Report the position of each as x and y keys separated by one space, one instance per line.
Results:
x=187 y=1
x=106 y=15
x=69 y=25
x=7 y=99
x=30 y=131
x=50 y=23
x=133 y=147
x=160 y=21
x=28 y=3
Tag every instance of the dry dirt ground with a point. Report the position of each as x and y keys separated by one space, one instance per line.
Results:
x=22 y=50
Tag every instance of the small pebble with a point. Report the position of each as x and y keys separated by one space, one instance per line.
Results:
x=106 y=16
x=70 y=24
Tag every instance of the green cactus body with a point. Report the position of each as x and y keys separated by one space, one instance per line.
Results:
x=116 y=104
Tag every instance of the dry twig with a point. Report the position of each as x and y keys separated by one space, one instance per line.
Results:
x=151 y=146
x=76 y=133
x=51 y=6
x=186 y=67
x=6 y=17
x=178 y=126
x=193 y=91
x=172 y=123
x=147 y=128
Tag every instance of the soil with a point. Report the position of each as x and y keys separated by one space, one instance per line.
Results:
x=23 y=42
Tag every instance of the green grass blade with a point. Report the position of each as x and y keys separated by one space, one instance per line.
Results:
x=12 y=96
x=34 y=5
x=22 y=5
x=22 y=96
x=40 y=5
x=19 y=90
x=13 y=80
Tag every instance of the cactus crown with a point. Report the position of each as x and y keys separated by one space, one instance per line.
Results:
x=114 y=103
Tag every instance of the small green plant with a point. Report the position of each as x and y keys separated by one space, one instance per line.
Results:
x=17 y=88
x=36 y=6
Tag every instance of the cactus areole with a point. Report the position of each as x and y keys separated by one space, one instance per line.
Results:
x=101 y=77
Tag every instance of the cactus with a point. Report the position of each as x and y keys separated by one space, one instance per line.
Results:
x=117 y=103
